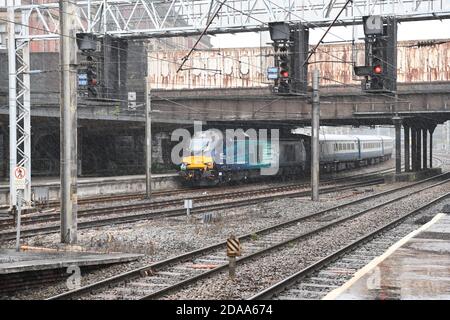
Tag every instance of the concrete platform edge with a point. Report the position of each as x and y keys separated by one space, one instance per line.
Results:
x=37 y=265
x=372 y=264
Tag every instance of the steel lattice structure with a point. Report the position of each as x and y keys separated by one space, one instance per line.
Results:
x=19 y=108
x=167 y=18
x=164 y=18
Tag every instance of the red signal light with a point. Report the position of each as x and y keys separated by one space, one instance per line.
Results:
x=377 y=69
x=94 y=82
x=284 y=74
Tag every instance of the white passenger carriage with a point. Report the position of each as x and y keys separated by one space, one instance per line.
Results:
x=338 y=152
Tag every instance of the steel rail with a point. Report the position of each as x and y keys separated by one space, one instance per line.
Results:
x=294 y=279
x=33 y=218
x=10 y=235
x=302 y=236
x=153 y=267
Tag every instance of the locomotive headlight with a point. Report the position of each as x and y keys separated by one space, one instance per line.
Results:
x=183 y=166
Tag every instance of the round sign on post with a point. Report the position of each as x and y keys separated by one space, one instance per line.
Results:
x=19 y=175
x=373 y=25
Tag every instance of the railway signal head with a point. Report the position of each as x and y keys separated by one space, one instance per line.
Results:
x=291 y=50
x=377 y=69
x=380 y=70
x=91 y=78
x=283 y=86
x=284 y=63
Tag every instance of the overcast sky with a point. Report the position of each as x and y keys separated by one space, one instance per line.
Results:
x=406 y=31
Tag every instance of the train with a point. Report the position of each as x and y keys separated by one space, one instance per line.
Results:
x=207 y=162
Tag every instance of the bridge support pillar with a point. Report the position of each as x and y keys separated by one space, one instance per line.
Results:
x=424 y=153
x=419 y=149
x=414 y=148
x=407 y=147
x=398 y=148
x=431 y=129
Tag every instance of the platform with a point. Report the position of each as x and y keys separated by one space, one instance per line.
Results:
x=88 y=187
x=416 y=267
x=16 y=262
x=412 y=176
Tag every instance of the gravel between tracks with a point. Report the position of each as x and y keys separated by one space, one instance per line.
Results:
x=162 y=238
x=257 y=274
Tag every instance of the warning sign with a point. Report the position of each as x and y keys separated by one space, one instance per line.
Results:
x=233 y=247
x=19 y=175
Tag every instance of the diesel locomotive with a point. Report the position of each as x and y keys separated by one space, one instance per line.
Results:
x=210 y=161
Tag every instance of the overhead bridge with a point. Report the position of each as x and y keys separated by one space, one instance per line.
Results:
x=340 y=105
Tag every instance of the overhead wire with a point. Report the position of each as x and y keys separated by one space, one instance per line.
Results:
x=251 y=80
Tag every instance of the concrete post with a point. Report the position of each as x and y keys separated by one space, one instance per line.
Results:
x=414 y=148
x=68 y=125
x=148 y=140
x=232 y=267
x=424 y=153
x=19 y=217
x=315 y=126
x=398 y=152
x=407 y=147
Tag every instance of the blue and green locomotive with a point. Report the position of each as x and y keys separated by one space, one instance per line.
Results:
x=212 y=161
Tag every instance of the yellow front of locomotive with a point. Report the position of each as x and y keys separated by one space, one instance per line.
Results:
x=198 y=167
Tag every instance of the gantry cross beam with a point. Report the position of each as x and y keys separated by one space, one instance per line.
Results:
x=166 y=18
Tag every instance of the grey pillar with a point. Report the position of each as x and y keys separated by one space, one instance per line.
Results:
x=414 y=148
x=431 y=129
x=68 y=124
x=407 y=147
x=424 y=153
x=419 y=149
x=148 y=140
x=398 y=146
x=315 y=125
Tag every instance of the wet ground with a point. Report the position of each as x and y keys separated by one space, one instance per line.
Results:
x=418 y=270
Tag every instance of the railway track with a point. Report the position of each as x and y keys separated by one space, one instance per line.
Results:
x=331 y=272
x=250 y=197
x=48 y=217
x=171 y=275
x=157 y=194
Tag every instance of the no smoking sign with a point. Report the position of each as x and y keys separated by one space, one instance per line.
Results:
x=19 y=175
